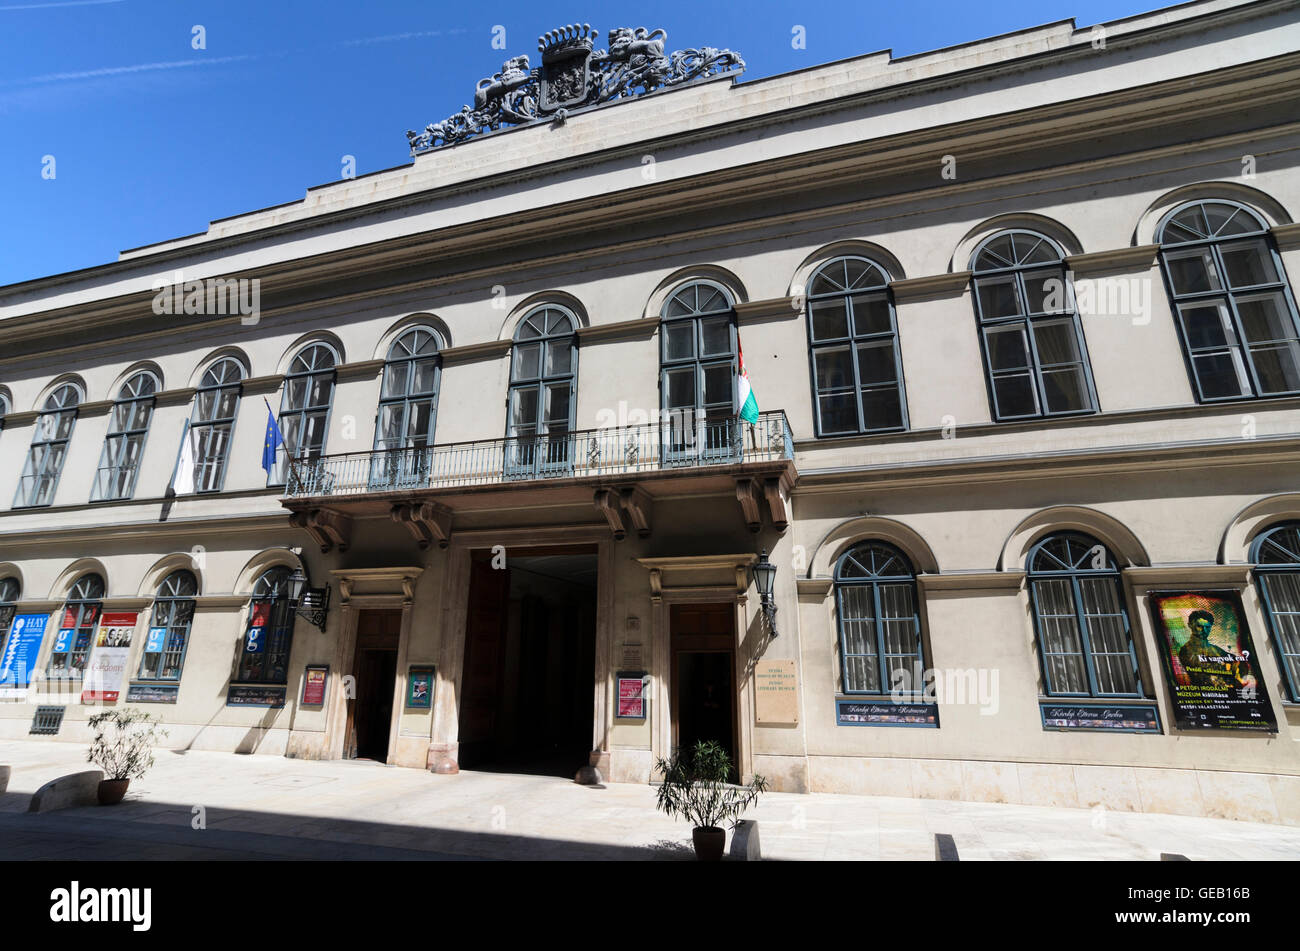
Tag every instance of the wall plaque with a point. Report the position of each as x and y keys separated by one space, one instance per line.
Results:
x=313 y=685
x=776 y=692
x=152 y=693
x=632 y=658
x=255 y=695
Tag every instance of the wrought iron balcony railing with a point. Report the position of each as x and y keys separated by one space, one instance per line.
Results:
x=680 y=441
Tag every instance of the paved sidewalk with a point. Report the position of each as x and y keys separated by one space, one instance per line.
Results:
x=269 y=807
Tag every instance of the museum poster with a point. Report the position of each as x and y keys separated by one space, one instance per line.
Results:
x=26 y=631
x=107 y=666
x=1210 y=662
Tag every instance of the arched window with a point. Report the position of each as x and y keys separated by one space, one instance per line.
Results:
x=10 y=589
x=1034 y=354
x=169 y=633
x=408 y=408
x=857 y=371
x=1276 y=554
x=49 y=447
x=213 y=422
x=264 y=654
x=543 y=374
x=305 y=406
x=879 y=624
x=119 y=463
x=77 y=628
x=698 y=373
x=4 y=408
x=1236 y=312
x=1081 y=619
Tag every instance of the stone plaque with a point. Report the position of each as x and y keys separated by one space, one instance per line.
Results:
x=632 y=656
x=776 y=692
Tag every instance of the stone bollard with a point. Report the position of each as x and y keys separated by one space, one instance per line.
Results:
x=4 y=778
x=744 y=842
x=68 y=792
x=945 y=849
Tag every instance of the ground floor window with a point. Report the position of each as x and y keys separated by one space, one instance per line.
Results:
x=264 y=653
x=878 y=621
x=1276 y=554
x=173 y=613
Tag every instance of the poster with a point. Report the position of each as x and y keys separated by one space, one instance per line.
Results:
x=631 y=696
x=107 y=665
x=1210 y=662
x=419 y=688
x=313 y=686
x=20 y=652
x=886 y=713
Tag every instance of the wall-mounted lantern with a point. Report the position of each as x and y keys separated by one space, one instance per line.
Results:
x=765 y=580
x=310 y=604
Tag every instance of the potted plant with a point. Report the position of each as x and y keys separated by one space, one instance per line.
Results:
x=695 y=788
x=123 y=749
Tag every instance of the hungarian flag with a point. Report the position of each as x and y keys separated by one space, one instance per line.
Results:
x=748 y=405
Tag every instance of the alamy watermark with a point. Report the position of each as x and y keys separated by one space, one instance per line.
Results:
x=209 y=297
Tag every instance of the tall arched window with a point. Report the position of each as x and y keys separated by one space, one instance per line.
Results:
x=408 y=408
x=1236 y=313
x=169 y=632
x=1276 y=554
x=698 y=373
x=77 y=627
x=212 y=424
x=879 y=624
x=10 y=589
x=1034 y=353
x=543 y=374
x=49 y=447
x=264 y=654
x=857 y=371
x=4 y=408
x=1081 y=620
x=119 y=463
x=305 y=406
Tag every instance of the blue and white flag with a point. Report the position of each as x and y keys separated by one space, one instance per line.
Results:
x=274 y=440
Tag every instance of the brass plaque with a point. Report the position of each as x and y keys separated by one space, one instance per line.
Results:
x=776 y=692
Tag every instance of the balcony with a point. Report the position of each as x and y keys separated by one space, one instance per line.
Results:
x=622 y=464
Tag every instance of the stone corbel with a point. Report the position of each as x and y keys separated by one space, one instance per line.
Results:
x=408 y=590
x=748 y=497
x=607 y=501
x=777 y=492
x=639 y=506
x=328 y=529
x=656 y=585
x=425 y=521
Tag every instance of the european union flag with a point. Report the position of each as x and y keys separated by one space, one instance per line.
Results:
x=274 y=440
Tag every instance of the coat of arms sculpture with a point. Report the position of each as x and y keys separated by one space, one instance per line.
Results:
x=574 y=75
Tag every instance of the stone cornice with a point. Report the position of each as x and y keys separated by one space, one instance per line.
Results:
x=492 y=349
x=1117 y=260
x=58 y=535
x=755 y=311
x=1286 y=236
x=931 y=287
x=176 y=397
x=261 y=385
x=623 y=330
x=365 y=369
x=964 y=582
x=1185 y=575
x=97 y=408
x=814 y=589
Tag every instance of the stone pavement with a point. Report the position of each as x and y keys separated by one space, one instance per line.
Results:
x=269 y=807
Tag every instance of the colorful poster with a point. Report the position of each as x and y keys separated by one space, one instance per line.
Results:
x=631 y=696
x=153 y=642
x=1210 y=662
x=419 y=688
x=313 y=686
x=106 y=668
x=21 y=649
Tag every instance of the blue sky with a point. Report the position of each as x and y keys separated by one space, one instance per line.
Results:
x=151 y=138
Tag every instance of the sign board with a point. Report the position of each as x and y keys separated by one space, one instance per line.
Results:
x=631 y=695
x=106 y=668
x=153 y=641
x=1210 y=662
x=21 y=650
x=313 y=685
x=886 y=712
x=776 y=692
x=1106 y=717
x=256 y=695
x=419 y=688
x=152 y=693
x=632 y=657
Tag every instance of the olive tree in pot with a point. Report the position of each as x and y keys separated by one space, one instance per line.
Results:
x=123 y=749
x=695 y=788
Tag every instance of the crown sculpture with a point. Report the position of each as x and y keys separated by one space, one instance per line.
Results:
x=574 y=75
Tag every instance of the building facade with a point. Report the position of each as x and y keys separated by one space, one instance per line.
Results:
x=1020 y=324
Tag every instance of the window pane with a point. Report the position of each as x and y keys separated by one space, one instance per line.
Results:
x=998 y=296
x=679 y=340
x=1208 y=325
x=876 y=363
x=419 y=423
x=681 y=388
x=715 y=336
x=1057 y=342
x=871 y=314
x=1046 y=291
x=1065 y=390
x=834 y=368
x=1008 y=349
x=1221 y=374
x=528 y=361
x=717 y=385
x=396 y=376
x=1265 y=317
x=559 y=357
x=557 y=407
x=1015 y=395
x=839 y=413
x=829 y=319
x=1248 y=263
x=1277 y=365
x=1192 y=271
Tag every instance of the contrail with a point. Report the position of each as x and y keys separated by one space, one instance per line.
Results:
x=120 y=70
x=66 y=3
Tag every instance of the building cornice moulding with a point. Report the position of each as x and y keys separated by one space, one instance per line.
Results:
x=1186 y=575
x=930 y=287
x=1287 y=236
x=757 y=311
x=1119 y=260
x=641 y=327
